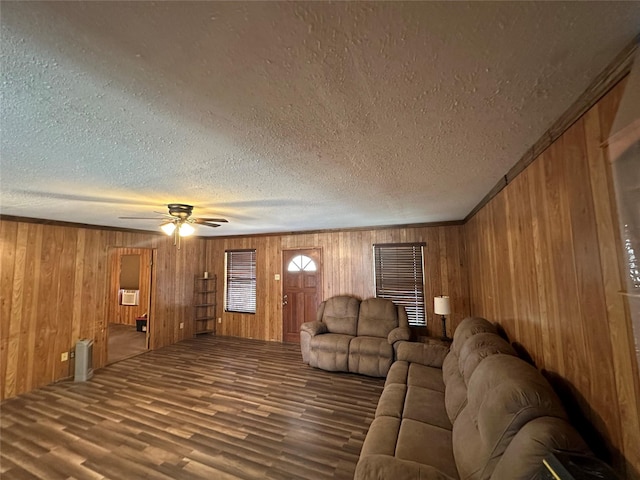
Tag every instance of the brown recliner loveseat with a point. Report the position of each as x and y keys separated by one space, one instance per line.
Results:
x=475 y=412
x=354 y=336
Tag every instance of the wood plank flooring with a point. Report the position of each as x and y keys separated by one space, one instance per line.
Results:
x=124 y=342
x=206 y=408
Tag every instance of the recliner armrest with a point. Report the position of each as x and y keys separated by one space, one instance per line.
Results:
x=397 y=334
x=314 y=328
x=423 y=353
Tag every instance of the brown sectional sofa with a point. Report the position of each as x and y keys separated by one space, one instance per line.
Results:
x=474 y=412
x=354 y=336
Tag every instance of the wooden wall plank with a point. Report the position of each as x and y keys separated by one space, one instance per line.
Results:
x=55 y=288
x=10 y=304
x=555 y=268
x=347 y=270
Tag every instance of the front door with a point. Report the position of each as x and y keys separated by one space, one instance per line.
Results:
x=301 y=290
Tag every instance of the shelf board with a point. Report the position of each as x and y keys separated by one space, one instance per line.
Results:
x=204 y=319
x=204 y=331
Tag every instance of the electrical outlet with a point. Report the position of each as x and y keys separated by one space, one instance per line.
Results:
x=181 y=325
x=219 y=320
x=64 y=356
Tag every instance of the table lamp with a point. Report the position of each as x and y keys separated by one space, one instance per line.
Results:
x=442 y=307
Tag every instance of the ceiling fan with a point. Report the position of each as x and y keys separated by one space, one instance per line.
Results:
x=178 y=222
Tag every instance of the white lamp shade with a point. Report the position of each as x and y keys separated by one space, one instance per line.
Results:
x=441 y=305
x=186 y=230
x=168 y=228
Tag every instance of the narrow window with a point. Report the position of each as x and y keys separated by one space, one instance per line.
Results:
x=399 y=277
x=240 y=286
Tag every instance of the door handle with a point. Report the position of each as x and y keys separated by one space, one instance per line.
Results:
x=285 y=300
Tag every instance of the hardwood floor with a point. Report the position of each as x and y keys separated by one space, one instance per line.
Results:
x=206 y=408
x=124 y=342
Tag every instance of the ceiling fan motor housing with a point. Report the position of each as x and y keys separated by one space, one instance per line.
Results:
x=180 y=210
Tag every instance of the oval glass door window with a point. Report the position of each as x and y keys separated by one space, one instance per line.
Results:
x=301 y=263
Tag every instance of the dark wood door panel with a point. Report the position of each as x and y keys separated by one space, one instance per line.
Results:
x=302 y=290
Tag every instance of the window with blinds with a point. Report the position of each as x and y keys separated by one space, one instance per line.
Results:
x=399 y=276
x=240 y=285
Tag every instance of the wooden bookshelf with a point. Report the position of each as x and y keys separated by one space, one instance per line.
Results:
x=204 y=301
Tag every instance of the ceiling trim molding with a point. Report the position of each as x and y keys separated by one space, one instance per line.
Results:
x=619 y=67
x=59 y=223
x=452 y=223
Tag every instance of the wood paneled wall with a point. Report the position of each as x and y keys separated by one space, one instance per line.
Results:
x=55 y=286
x=347 y=258
x=544 y=263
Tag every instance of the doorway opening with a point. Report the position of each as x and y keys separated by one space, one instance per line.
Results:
x=129 y=319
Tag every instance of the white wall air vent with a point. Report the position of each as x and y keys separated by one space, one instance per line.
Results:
x=129 y=297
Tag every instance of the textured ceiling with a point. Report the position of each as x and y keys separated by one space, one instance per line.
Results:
x=285 y=116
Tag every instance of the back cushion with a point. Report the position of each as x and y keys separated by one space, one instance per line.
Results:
x=341 y=314
x=468 y=327
x=532 y=443
x=479 y=347
x=450 y=367
x=503 y=394
x=378 y=317
x=457 y=370
x=455 y=397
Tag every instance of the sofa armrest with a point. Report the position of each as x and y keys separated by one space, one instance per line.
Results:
x=308 y=330
x=314 y=328
x=383 y=467
x=397 y=334
x=423 y=353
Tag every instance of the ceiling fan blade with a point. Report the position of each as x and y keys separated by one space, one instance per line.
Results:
x=201 y=220
x=207 y=224
x=164 y=214
x=141 y=218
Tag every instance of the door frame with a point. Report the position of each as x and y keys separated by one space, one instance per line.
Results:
x=115 y=252
x=320 y=298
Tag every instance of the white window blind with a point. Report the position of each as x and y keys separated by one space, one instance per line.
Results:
x=399 y=277
x=240 y=281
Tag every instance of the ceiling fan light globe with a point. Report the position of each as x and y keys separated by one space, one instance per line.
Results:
x=186 y=230
x=168 y=228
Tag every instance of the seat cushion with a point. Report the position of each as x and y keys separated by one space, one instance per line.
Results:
x=371 y=356
x=426 y=406
x=391 y=402
x=330 y=351
x=382 y=437
x=411 y=440
x=383 y=467
x=426 y=377
x=427 y=444
x=397 y=373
